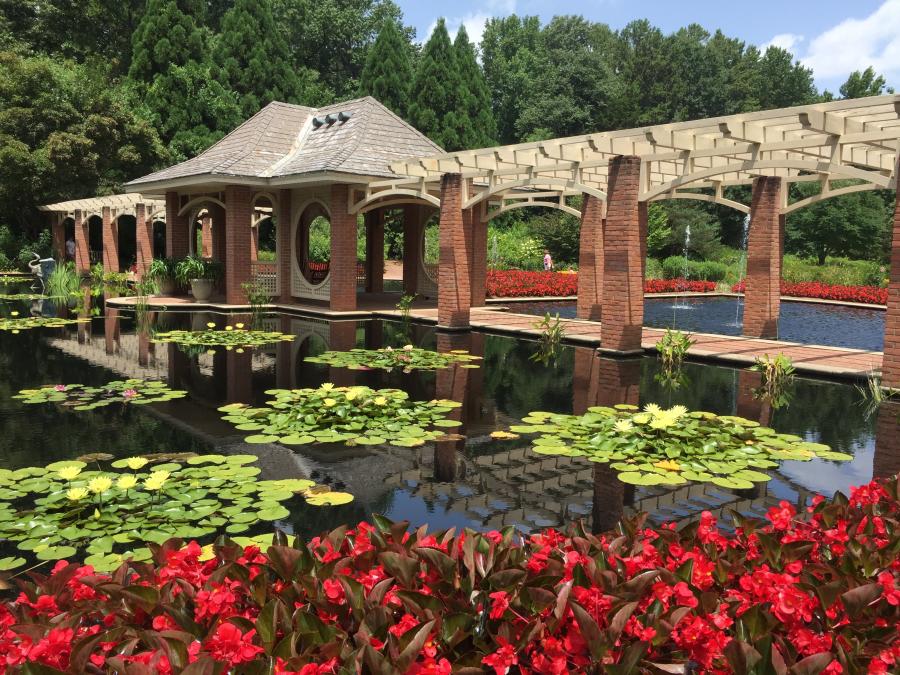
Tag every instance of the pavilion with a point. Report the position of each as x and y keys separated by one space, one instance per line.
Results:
x=357 y=160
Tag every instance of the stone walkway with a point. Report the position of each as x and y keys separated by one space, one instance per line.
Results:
x=813 y=359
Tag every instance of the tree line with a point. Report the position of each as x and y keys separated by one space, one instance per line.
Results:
x=95 y=92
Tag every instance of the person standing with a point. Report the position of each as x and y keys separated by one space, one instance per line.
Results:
x=70 y=249
x=548 y=261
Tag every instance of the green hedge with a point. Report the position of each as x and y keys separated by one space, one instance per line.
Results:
x=676 y=267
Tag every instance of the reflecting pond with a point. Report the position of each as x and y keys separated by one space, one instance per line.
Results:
x=470 y=480
x=804 y=322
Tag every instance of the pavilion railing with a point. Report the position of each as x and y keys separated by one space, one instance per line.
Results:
x=265 y=275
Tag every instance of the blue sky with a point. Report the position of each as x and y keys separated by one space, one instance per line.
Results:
x=833 y=37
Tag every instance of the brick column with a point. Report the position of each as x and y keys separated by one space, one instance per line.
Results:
x=623 y=285
x=886 y=462
x=58 y=233
x=143 y=234
x=454 y=265
x=238 y=212
x=110 y=242
x=762 y=296
x=343 y=252
x=176 y=228
x=890 y=370
x=412 y=247
x=590 y=259
x=82 y=247
x=206 y=237
x=375 y=251
x=643 y=227
x=254 y=242
x=479 y=257
x=284 y=244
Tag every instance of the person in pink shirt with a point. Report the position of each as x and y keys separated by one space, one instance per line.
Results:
x=548 y=261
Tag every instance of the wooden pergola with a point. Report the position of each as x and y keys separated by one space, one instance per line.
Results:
x=619 y=172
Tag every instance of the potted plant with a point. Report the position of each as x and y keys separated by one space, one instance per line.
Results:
x=201 y=273
x=162 y=272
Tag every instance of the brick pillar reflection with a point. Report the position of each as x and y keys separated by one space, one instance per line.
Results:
x=283 y=224
x=58 y=232
x=479 y=258
x=146 y=349
x=239 y=369
x=454 y=264
x=82 y=248
x=375 y=251
x=342 y=338
x=176 y=228
x=343 y=252
x=206 y=237
x=143 y=233
x=891 y=365
x=179 y=367
x=611 y=381
x=623 y=285
x=284 y=350
x=374 y=334
x=111 y=330
x=749 y=406
x=762 y=295
x=110 y=242
x=886 y=462
x=451 y=383
x=590 y=259
x=238 y=212
x=412 y=247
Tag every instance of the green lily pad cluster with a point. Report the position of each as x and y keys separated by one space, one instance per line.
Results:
x=656 y=446
x=64 y=509
x=15 y=324
x=15 y=278
x=350 y=415
x=408 y=358
x=82 y=397
x=22 y=296
x=235 y=337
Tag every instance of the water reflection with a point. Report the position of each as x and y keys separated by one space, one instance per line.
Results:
x=467 y=480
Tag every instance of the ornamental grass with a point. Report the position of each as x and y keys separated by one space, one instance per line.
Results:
x=814 y=592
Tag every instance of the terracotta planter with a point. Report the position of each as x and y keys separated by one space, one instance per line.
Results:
x=202 y=289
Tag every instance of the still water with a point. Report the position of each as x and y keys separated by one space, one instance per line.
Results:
x=471 y=482
x=804 y=322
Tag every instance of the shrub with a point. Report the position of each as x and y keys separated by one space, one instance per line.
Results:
x=195 y=267
x=694 y=270
x=513 y=247
x=837 y=271
x=807 y=594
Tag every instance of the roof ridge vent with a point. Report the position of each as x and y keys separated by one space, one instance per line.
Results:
x=331 y=118
x=318 y=121
x=344 y=115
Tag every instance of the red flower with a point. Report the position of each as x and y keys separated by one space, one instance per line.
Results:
x=501 y=660
x=781 y=516
x=499 y=604
x=407 y=622
x=53 y=650
x=334 y=591
x=230 y=645
x=889 y=588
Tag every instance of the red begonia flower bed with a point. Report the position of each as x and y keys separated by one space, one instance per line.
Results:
x=871 y=295
x=518 y=283
x=816 y=592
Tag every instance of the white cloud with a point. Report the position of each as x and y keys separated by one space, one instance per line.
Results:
x=475 y=21
x=788 y=41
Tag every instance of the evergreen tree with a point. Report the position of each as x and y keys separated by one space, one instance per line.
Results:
x=387 y=74
x=434 y=105
x=167 y=35
x=865 y=83
x=252 y=59
x=478 y=126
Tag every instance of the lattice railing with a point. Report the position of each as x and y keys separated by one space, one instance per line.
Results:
x=265 y=275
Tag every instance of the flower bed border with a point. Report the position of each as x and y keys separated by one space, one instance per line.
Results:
x=812 y=594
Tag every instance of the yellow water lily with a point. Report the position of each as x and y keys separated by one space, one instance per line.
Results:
x=210 y=324
x=156 y=480
x=663 y=420
x=329 y=402
x=380 y=400
x=327 y=386
x=77 y=494
x=100 y=484
x=354 y=392
x=238 y=351
x=126 y=482
x=14 y=314
x=641 y=418
x=69 y=472
x=653 y=409
x=229 y=327
x=623 y=426
x=135 y=463
x=668 y=465
x=238 y=325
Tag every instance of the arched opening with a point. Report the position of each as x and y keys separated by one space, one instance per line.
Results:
x=159 y=239
x=95 y=239
x=266 y=238
x=312 y=243
x=431 y=247
x=127 y=241
x=200 y=236
x=264 y=246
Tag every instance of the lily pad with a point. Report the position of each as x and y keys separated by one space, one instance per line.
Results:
x=407 y=359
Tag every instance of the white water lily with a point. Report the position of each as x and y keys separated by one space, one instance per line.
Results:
x=623 y=426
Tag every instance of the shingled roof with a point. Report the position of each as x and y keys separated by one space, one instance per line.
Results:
x=281 y=141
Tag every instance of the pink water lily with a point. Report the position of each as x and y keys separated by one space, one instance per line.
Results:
x=129 y=393
x=59 y=387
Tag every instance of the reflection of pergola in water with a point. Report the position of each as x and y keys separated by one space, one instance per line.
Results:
x=357 y=160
